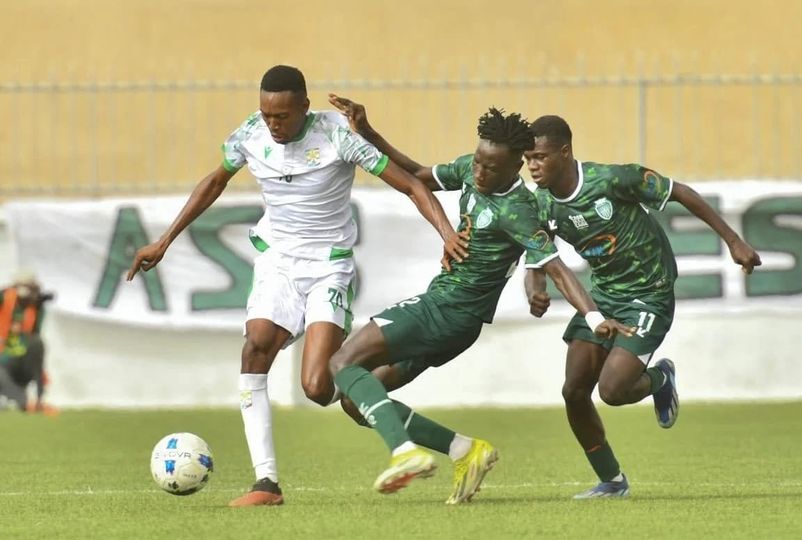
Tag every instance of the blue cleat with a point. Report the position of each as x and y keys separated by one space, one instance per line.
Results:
x=666 y=402
x=606 y=489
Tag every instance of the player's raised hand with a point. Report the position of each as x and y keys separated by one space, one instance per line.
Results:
x=354 y=112
x=146 y=258
x=455 y=248
x=539 y=303
x=610 y=327
x=745 y=255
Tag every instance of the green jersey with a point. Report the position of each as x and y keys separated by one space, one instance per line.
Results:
x=607 y=221
x=502 y=226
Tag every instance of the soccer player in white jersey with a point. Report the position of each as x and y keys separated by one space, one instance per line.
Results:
x=304 y=162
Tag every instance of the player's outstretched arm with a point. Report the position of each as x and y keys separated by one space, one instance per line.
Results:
x=535 y=287
x=741 y=252
x=573 y=291
x=205 y=193
x=455 y=245
x=358 y=120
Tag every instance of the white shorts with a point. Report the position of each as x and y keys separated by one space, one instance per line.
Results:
x=294 y=293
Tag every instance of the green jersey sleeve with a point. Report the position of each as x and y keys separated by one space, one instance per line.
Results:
x=524 y=228
x=636 y=183
x=451 y=176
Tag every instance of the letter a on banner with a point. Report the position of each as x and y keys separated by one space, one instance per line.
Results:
x=128 y=236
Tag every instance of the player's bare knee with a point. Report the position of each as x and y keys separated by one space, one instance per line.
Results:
x=256 y=357
x=576 y=392
x=612 y=394
x=318 y=389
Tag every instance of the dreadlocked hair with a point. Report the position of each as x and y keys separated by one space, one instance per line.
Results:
x=511 y=130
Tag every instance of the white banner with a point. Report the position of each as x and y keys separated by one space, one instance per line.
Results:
x=81 y=251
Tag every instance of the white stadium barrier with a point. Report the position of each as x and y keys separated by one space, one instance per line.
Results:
x=174 y=338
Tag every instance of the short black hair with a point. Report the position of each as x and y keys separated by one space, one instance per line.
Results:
x=283 y=79
x=511 y=130
x=553 y=128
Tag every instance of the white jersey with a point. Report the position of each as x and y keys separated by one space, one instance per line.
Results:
x=306 y=183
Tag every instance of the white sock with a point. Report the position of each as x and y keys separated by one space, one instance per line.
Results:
x=405 y=447
x=459 y=447
x=618 y=478
x=258 y=422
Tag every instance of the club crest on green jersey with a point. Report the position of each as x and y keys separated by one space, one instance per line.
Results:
x=484 y=218
x=312 y=157
x=604 y=208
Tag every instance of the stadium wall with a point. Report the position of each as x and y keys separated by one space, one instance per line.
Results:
x=136 y=97
x=733 y=337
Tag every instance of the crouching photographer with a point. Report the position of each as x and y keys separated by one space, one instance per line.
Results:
x=22 y=351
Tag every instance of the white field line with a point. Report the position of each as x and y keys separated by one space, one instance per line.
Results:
x=290 y=488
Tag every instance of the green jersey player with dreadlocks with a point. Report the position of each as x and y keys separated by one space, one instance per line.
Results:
x=430 y=329
x=603 y=211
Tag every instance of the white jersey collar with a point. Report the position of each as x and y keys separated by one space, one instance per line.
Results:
x=580 y=180
x=512 y=187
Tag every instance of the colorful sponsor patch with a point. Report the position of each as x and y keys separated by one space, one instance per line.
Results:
x=650 y=181
x=539 y=240
x=599 y=246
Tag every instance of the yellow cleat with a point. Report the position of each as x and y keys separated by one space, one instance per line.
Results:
x=470 y=470
x=415 y=463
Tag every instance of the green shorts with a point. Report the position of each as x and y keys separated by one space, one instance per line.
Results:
x=426 y=331
x=651 y=315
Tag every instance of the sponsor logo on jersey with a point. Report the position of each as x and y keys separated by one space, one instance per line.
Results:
x=539 y=240
x=579 y=221
x=484 y=218
x=312 y=157
x=604 y=208
x=268 y=149
x=650 y=182
x=552 y=224
x=599 y=246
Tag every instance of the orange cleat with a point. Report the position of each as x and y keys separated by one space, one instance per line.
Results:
x=265 y=492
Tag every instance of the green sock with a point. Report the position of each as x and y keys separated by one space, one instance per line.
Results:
x=657 y=378
x=369 y=395
x=603 y=462
x=424 y=431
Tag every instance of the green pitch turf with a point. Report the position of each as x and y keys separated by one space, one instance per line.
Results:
x=723 y=471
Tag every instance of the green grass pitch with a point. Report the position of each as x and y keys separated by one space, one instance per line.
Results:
x=723 y=471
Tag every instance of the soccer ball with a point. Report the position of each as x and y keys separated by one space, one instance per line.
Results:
x=181 y=463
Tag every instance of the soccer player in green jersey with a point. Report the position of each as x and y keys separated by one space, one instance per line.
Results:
x=604 y=212
x=430 y=329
